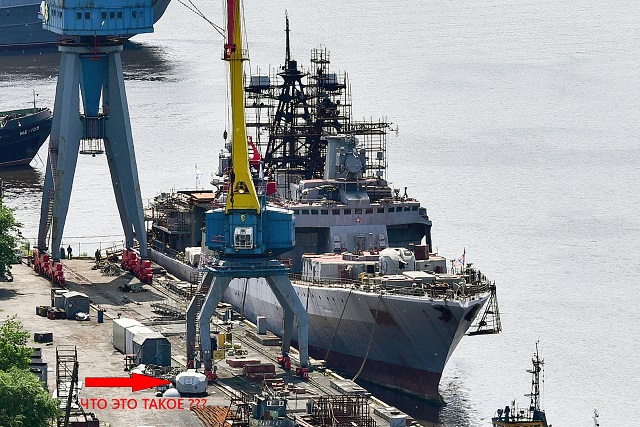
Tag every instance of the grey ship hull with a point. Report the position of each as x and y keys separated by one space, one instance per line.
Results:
x=20 y=27
x=406 y=345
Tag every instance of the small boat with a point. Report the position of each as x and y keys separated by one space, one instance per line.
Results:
x=533 y=416
x=22 y=133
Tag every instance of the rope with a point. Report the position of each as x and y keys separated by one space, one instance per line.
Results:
x=244 y=296
x=370 y=340
x=335 y=332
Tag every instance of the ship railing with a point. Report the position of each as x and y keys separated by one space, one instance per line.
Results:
x=436 y=291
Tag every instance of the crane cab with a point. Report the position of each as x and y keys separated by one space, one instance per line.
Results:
x=246 y=233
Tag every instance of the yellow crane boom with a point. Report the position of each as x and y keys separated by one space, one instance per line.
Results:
x=242 y=192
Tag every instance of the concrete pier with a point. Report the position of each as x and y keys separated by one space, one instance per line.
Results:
x=98 y=358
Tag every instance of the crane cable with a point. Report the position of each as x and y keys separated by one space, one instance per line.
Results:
x=335 y=332
x=193 y=8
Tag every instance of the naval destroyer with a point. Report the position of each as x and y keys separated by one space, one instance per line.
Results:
x=383 y=306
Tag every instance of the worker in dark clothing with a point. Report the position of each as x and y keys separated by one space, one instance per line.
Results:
x=98 y=256
x=69 y=250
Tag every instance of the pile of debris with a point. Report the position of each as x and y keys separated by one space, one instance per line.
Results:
x=111 y=269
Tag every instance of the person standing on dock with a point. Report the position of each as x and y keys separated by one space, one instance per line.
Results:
x=69 y=250
x=98 y=256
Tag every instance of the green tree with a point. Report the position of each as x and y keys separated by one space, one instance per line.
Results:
x=9 y=229
x=23 y=401
x=13 y=345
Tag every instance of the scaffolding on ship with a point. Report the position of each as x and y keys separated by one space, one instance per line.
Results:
x=290 y=112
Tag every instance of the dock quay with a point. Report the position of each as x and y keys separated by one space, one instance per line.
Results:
x=250 y=389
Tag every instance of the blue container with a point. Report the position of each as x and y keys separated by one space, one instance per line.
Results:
x=100 y=316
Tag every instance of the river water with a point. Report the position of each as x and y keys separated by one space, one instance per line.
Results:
x=518 y=129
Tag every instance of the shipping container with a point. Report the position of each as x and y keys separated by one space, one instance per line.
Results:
x=130 y=332
x=119 y=337
x=152 y=349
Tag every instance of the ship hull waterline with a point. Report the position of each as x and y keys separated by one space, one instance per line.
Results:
x=407 y=344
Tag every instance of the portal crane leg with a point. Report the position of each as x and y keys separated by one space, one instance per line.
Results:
x=122 y=157
x=93 y=72
x=193 y=310
x=283 y=290
x=214 y=296
x=285 y=294
x=64 y=143
x=191 y=317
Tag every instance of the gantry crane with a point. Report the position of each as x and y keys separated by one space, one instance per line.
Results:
x=91 y=35
x=247 y=233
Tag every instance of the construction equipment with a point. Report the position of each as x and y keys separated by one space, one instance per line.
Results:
x=91 y=69
x=247 y=233
x=67 y=389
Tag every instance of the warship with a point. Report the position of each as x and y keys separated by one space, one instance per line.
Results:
x=383 y=306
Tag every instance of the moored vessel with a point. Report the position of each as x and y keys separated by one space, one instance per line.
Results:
x=383 y=306
x=22 y=133
x=533 y=416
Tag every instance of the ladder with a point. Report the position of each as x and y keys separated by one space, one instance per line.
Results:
x=53 y=161
x=67 y=383
x=200 y=295
x=489 y=322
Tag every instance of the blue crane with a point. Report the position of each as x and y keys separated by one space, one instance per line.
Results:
x=91 y=39
x=247 y=233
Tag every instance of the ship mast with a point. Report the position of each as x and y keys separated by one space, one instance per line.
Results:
x=535 y=382
x=288 y=57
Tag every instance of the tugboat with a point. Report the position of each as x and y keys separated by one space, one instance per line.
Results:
x=22 y=133
x=531 y=417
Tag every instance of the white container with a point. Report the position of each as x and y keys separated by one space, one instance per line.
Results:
x=171 y=392
x=57 y=300
x=191 y=382
x=119 y=337
x=131 y=332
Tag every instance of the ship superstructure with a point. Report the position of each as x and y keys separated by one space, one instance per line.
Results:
x=533 y=416
x=327 y=167
x=383 y=306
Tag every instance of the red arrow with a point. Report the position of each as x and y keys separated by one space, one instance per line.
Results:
x=136 y=382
